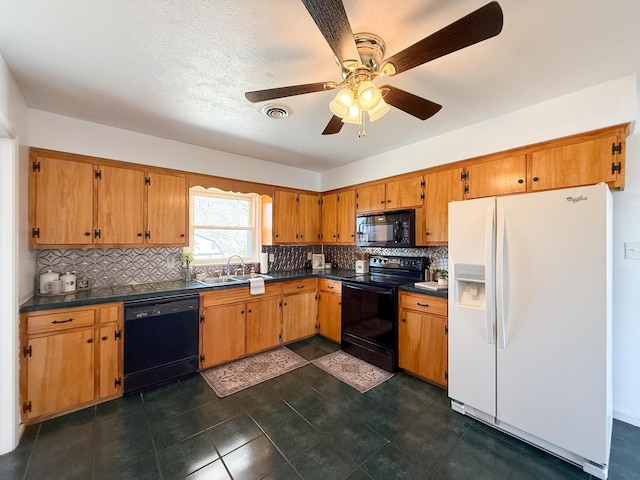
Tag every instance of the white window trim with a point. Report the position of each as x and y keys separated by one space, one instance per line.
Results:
x=256 y=220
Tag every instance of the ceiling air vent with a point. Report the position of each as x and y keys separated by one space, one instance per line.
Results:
x=276 y=111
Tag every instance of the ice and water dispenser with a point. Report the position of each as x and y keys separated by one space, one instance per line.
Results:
x=470 y=285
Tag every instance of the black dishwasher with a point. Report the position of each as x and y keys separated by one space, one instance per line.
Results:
x=160 y=340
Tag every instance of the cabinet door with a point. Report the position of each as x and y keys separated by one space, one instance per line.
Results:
x=166 y=209
x=405 y=193
x=285 y=217
x=329 y=316
x=309 y=218
x=110 y=364
x=60 y=371
x=346 y=217
x=264 y=324
x=62 y=199
x=371 y=198
x=299 y=313
x=422 y=345
x=120 y=206
x=584 y=163
x=329 y=218
x=222 y=334
x=498 y=177
x=432 y=222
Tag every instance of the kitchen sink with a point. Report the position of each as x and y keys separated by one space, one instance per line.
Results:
x=245 y=278
x=232 y=280
x=218 y=281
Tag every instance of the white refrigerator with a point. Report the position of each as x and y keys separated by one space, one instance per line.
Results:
x=530 y=319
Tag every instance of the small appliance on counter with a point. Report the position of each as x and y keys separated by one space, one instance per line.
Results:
x=317 y=261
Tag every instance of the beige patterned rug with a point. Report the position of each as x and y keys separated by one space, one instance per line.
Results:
x=351 y=370
x=247 y=372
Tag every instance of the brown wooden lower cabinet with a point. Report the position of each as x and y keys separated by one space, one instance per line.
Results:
x=71 y=358
x=235 y=323
x=329 y=309
x=422 y=336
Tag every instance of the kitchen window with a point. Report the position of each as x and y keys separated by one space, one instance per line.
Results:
x=223 y=224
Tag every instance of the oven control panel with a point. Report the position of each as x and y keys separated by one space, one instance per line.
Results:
x=399 y=263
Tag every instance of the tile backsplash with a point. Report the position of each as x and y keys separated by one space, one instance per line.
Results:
x=124 y=266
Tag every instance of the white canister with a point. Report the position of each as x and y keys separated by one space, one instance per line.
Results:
x=47 y=277
x=68 y=282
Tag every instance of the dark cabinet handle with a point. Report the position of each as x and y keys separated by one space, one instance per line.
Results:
x=139 y=234
x=330 y=286
x=104 y=338
x=299 y=286
x=535 y=179
x=427 y=233
x=422 y=304
x=87 y=234
x=403 y=320
x=388 y=201
x=55 y=322
x=182 y=235
x=520 y=180
x=249 y=311
x=90 y=340
x=242 y=311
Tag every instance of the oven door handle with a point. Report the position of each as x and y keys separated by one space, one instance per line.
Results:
x=368 y=288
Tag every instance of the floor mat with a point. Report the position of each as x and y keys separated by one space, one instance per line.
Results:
x=235 y=376
x=351 y=370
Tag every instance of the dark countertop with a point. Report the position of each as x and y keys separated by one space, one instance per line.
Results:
x=144 y=291
x=434 y=293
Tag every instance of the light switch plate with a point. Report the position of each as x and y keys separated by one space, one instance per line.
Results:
x=632 y=250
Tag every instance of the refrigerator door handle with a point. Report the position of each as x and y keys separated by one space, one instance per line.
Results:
x=500 y=280
x=489 y=261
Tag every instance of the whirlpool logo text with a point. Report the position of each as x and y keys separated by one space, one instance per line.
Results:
x=577 y=199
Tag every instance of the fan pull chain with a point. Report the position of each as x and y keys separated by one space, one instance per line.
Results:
x=363 y=120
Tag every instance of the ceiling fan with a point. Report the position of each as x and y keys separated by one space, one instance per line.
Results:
x=361 y=59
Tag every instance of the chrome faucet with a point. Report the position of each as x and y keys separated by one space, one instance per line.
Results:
x=229 y=264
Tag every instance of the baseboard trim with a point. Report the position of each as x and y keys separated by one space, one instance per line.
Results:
x=626 y=418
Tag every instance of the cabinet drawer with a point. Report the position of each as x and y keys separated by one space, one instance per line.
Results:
x=233 y=295
x=424 y=303
x=109 y=312
x=299 y=286
x=327 y=285
x=60 y=320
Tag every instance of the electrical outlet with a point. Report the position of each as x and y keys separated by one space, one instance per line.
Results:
x=309 y=255
x=272 y=257
x=632 y=250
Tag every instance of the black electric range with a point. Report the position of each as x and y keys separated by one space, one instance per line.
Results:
x=370 y=308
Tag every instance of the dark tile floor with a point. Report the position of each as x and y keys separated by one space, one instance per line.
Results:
x=302 y=425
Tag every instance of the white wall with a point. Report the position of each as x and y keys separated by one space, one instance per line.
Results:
x=611 y=103
x=56 y=132
x=17 y=264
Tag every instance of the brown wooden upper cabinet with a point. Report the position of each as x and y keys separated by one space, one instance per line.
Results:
x=582 y=163
x=497 y=177
x=296 y=217
x=392 y=195
x=432 y=220
x=82 y=202
x=339 y=218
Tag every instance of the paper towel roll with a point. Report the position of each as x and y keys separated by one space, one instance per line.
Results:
x=264 y=263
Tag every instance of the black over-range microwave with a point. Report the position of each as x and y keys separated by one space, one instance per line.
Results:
x=387 y=229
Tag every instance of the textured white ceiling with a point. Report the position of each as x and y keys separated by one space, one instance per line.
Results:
x=179 y=69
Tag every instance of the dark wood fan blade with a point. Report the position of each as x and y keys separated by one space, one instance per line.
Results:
x=331 y=19
x=272 y=93
x=334 y=126
x=412 y=104
x=484 y=23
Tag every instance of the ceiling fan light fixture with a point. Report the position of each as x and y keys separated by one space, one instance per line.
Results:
x=369 y=96
x=342 y=102
x=354 y=115
x=379 y=111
